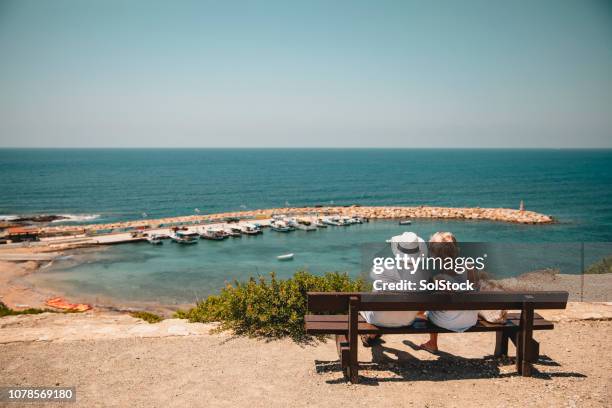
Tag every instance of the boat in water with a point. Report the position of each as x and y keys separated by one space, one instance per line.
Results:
x=280 y=226
x=285 y=257
x=319 y=224
x=301 y=225
x=155 y=239
x=405 y=222
x=333 y=221
x=250 y=229
x=233 y=232
x=185 y=237
x=214 y=235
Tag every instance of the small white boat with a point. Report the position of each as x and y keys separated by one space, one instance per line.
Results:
x=213 y=235
x=281 y=226
x=250 y=229
x=319 y=224
x=155 y=240
x=333 y=221
x=347 y=221
x=405 y=222
x=301 y=226
x=285 y=257
x=233 y=232
x=185 y=237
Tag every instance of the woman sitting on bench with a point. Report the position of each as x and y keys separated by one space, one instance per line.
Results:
x=407 y=245
x=444 y=245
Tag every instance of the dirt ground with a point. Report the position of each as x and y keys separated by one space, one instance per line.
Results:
x=210 y=370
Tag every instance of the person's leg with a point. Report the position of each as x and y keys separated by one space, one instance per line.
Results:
x=432 y=344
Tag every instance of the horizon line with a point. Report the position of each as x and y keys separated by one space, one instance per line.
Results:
x=294 y=148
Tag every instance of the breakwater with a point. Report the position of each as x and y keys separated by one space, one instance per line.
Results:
x=371 y=212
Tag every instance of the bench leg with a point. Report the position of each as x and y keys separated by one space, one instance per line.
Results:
x=353 y=366
x=527 y=342
x=535 y=351
x=342 y=345
x=518 y=342
x=501 y=343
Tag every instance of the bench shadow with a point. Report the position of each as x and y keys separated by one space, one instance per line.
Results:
x=393 y=365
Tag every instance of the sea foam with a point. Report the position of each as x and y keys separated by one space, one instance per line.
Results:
x=77 y=217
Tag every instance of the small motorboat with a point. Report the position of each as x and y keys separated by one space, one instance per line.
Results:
x=333 y=221
x=233 y=232
x=250 y=229
x=347 y=221
x=319 y=224
x=280 y=226
x=405 y=222
x=301 y=226
x=155 y=240
x=185 y=237
x=213 y=235
x=285 y=257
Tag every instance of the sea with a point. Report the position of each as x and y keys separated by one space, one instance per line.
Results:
x=105 y=185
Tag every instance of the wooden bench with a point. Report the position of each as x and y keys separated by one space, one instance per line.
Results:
x=518 y=328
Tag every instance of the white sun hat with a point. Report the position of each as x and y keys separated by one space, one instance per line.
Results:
x=409 y=244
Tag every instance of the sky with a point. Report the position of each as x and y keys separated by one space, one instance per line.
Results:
x=306 y=73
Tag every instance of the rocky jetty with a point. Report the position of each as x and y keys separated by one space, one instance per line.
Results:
x=379 y=212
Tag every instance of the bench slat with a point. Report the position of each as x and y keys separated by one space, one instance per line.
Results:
x=337 y=302
x=343 y=318
x=338 y=324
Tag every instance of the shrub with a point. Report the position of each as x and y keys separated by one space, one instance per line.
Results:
x=147 y=316
x=603 y=266
x=6 y=311
x=271 y=308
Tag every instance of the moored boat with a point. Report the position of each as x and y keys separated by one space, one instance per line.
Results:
x=250 y=229
x=155 y=240
x=185 y=237
x=233 y=232
x=280 y=226
x=333 y=221
x=301 y=224
x=319 y=224
x=213 y=235
x=405 y=222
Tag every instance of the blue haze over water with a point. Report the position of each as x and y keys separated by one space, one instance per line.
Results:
x=574 y=186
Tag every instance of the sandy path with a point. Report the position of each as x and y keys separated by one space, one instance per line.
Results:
x=207 y=370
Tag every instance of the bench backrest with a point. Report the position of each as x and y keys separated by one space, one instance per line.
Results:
x=337 y=302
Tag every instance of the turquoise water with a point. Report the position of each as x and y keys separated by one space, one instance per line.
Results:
x=572 y=185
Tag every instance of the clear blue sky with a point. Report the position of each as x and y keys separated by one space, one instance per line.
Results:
x=310 y=73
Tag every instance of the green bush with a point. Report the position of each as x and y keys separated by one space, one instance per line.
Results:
x=271 y=308
x=603 y=266
x=147 y=316
x=6 y=311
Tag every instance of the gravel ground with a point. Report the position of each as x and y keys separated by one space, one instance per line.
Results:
x=207 y=370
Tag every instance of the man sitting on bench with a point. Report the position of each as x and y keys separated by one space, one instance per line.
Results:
x=407 y=245
x=443 y=245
